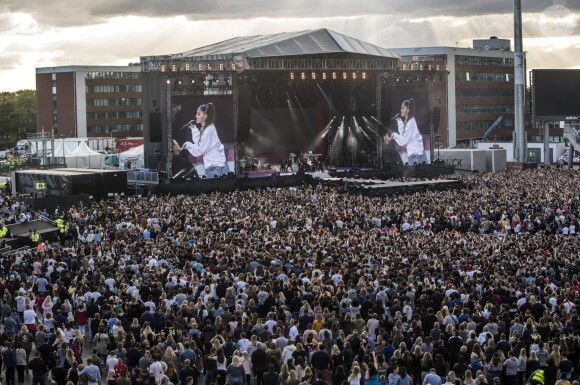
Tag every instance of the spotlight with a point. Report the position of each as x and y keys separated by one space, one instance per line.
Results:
x=291 y=75
x=303 y=75
x=324 y=76
x=187 y=66
x=334 y=76
x=364 y=75
x=344 y=76
x=354 y=75
x=173 y=67
x=168 y=81
x=314 y=76
x=162 y=67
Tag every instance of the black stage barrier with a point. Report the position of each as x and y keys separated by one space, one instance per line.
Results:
x=200 y=186
x=427 y=171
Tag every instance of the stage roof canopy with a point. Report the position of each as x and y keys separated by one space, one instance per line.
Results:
x=310 y=42
x=266 y=51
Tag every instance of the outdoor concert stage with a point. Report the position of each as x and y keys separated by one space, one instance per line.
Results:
x=373 y=182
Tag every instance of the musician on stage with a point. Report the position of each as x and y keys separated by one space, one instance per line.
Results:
x=205 y=142
x=408 y=134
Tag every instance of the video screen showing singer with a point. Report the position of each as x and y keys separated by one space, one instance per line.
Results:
x=408 y=135
x=204 y=142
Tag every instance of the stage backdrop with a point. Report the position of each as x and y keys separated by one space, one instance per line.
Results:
x=277 y=132
x=184 y=108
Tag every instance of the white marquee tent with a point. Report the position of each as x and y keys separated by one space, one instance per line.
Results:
x=83 y=157
x=134 y=156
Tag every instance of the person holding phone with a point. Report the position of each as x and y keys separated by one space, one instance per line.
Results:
x=408 y=134
x=205 y=142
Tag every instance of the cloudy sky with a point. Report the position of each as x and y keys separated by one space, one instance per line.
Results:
x=43 y=33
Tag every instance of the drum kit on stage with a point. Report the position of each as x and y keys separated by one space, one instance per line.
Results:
x=307 y=161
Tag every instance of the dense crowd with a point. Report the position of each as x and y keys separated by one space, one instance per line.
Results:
x=306 y=285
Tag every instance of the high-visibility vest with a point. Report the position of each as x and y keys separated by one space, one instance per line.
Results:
x=538 y=376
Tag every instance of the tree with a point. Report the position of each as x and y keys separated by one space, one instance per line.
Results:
x=17 y=116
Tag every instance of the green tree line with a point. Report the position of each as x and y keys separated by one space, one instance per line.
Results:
x=17 y=116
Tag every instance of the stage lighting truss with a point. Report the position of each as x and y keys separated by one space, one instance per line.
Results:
x=328 y=75
x=207 y=84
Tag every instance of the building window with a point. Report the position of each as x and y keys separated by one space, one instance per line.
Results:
x=114 y=88
x=484 y=92
x=485 y=108
x=474 y=125
x=104 y=128
x=484 y=61
x=112 y=75
x=484 y=77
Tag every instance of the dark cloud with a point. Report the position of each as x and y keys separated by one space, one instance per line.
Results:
x=66 y=13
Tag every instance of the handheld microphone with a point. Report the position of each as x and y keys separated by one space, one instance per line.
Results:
x=396 y=117
x=187 y=124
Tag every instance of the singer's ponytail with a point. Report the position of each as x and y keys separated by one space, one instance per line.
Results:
x=209 y=110
x=410 y=104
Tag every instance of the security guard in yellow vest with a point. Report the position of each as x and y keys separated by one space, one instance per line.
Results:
x=3 y=231
x=537 y=377
x=34 y=237
x=61 y=227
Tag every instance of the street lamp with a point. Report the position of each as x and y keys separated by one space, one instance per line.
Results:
x=111 y=141
x=63 y=158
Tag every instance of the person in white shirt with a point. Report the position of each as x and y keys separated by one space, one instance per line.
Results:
x=408 y=133
x=293 y=332
x=30 y=319
x=206 y=142
x=112 y=360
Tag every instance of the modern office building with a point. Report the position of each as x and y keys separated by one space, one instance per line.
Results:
x=478 y=89
x=90 y=101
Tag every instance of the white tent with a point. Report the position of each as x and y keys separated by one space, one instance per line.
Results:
x=133 y=155
x=58 y=151
x=84 y=157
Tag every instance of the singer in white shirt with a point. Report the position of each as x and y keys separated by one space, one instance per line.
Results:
x=409 y=134
x=206 y=142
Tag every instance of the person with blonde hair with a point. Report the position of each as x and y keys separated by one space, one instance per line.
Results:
x=355 y=375
x=47 y=306
x=247 y=365
x=235 y=372
x=111 y=378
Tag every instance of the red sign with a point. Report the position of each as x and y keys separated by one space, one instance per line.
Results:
x=126 y=144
